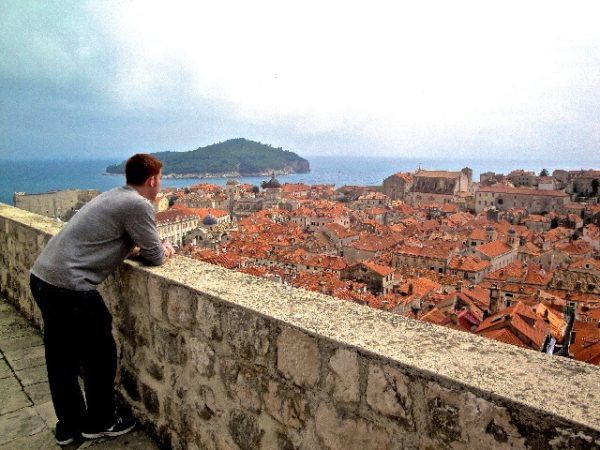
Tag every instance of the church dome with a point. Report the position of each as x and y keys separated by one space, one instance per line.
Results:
x=209 y=219
x=272 y=183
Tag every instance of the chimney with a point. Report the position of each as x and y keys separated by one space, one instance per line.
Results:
x=494 y=299
x=490 y=233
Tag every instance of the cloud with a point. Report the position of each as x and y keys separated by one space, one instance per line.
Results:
x=387 y=77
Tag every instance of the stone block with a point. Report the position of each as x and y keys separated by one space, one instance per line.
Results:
x=202 y=357
x=155 y=370
x=25 y=342
x=129 y=383
x=205 y=402
x=387 y=393
x=298 y=357
x=245 y=430
x=27 y=358
x=14 y=401
x=246 y=334
x=343 y=377
x=456 y=417
x=5 y=370
x=150 y=399
x=38 y=392
x=340 y=432
x=443 y=421
x=287 y=405
x=181 y=307
x=8 y=385
x=32 y=375
x=46 y=412
x=21 y=423
x=243 y=383
x=169 y=345
x=208 y=318
x=155 y=298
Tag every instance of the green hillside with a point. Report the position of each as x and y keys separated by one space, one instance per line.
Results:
x=235 y=156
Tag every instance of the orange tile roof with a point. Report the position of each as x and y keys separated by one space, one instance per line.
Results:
x=173 y=215
x=423 y=252
x=494 y=249
x=420 y=286
x=327 y=262
x=587 y=345
x=371 y=242
x=377 y=268
x=435 y=316
x=520 y=318
x=437 y=174
x=504 y=335
x=555 y=319
x=468 y=264
x=404 y=176
x=593 y=264
x=478 y=234
x=575 y=247
x=530 y=249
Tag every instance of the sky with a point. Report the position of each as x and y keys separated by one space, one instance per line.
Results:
x=464 y=79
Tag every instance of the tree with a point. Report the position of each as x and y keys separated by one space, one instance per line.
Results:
x=544 y=173
x=255 y=189
x=595 y=185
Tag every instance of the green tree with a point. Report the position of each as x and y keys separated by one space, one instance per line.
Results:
x=544 y=173
x=595 y=185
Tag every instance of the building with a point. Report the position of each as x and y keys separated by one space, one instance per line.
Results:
x=535 y=201
x=498 y=253
x=522 y=178
x=397 y=186
x=429 y=258
x=379 y=279
x=174 y=224
x=438 y=186
x=469 y=268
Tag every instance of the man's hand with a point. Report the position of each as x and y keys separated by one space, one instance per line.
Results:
x=134 y=253
x=168 y=249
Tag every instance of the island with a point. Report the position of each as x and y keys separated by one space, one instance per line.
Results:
x=234 y=157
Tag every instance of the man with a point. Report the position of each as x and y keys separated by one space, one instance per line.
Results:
x=77 y=324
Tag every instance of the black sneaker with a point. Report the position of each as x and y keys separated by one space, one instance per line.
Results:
x=121 y=426
x=65 y=436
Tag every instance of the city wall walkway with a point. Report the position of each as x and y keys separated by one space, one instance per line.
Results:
x=27 y=417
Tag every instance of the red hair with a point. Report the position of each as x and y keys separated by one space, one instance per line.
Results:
x=140 y=167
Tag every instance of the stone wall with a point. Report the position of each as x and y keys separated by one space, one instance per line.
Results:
x=57 y=204
x=213 y=359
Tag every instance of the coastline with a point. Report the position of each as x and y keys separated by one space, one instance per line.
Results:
x=178 y=176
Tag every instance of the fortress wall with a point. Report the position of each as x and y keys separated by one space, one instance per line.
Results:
x=215 y=359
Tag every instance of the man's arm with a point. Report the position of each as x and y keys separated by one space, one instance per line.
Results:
x=141 y=227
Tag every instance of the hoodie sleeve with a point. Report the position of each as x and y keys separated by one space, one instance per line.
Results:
x=141 y=226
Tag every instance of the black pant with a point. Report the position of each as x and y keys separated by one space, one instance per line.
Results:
x=77 y=336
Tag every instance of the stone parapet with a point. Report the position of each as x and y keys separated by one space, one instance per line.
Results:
x=215 y=359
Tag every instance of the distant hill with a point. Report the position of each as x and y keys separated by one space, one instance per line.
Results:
x=235 y=157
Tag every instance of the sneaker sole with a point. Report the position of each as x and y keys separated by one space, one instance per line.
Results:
x=108 y=433
x=65 y=442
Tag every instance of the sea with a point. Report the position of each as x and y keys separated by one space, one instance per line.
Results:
x=37 y=176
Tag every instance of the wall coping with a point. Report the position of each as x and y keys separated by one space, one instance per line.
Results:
x=553 y=385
